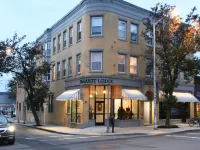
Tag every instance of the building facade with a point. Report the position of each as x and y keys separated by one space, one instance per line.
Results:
x=97 y=51
x=7 y=105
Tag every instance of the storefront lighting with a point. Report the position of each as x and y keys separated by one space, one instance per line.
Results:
x=104 y=91
x=97 y=93
x=91 y=96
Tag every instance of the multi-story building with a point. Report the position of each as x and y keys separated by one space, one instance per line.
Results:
x=97 y=51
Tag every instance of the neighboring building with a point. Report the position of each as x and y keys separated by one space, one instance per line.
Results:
x=7 y=105
x=97 y=53
x=197 y=94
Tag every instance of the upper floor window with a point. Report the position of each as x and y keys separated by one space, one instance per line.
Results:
x=79 y=31
x=48 y=76
x=122 y=30
x=54 y=73
x=148 y=67
x=70 y=67
x=121 y=63
x=133 y=65
x=64 y=68
x=54 y=45
x=59 y=42
x=58 y=70
x=150 y=38
x=48 y=48
x=70 y=35
x=78 y=64
x=96 y=26
x=134 y=33
x=64 y=39
x=96 y=61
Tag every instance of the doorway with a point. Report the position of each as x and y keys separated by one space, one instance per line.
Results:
x=147 y=113
x=100 y=112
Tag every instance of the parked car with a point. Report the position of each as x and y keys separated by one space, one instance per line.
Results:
x=7 y=130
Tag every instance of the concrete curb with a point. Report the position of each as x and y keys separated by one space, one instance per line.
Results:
x=131 y=134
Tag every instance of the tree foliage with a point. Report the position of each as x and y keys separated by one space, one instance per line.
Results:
x=176 y=43
x=28 y=69
x=12 y=89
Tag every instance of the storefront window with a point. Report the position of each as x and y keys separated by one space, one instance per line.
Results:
x=125 y=109
x=76 y=109
x=198 y=109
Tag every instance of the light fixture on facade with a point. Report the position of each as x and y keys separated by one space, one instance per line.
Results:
x=104 y=91
x=91 y=96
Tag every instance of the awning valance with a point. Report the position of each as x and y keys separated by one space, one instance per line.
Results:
x=69 y=95
x=184 y=97
x=133 y=94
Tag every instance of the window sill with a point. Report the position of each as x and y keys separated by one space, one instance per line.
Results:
x=148 y=76
x=58 y=79
x=64 y=48
x=54 y=53
x=134 y=75
x=121 y=73
x=70 y=45
x=78 y=74
x=58 y=51
x=95 y=71
x=96 y=36
x=124 y=40
x=64 y=77
x=78 y=41
x=149 y=45
x=134 y=42
x=69 y=76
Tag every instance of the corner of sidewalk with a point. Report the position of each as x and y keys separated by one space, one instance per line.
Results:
x=138 y=134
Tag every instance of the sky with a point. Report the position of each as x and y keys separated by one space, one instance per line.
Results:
x=32 y=17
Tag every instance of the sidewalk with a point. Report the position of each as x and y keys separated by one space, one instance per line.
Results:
x=101 y=130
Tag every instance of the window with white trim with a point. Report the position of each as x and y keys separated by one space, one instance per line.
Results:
x=59 y=42
x=121 y=63
x=78 y=64
x=70 y=36
x=70 y=67
x=149 y=72
x=122 y=30
x=64 y=68
x=134 y=33
x=79 y=31
x=96 y=26
x=64 y=39
x=133 y=65
x=58 y=70
x=186 y=76
x=96 y=61
x=54 y=45
x=150 y=38
x=54 y=73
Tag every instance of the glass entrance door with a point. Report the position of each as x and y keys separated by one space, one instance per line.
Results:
x=100 y=113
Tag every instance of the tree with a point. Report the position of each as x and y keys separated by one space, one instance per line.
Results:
x=176 y=43
x=11 y=87
x=28 y=69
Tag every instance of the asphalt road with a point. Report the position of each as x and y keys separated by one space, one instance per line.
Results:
x=33 y=139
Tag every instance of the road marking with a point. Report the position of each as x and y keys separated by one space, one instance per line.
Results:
x=66 y=139
x=189 y=137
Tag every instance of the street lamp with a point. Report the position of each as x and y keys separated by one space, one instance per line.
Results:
x=8 y=52
x=173 y=13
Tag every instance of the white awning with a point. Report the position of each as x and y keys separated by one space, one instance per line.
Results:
x=133 y=94
x=69 y=95
x=183 y=97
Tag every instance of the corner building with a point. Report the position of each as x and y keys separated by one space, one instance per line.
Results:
x=97 y=52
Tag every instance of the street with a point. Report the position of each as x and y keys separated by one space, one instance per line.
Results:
x=34 y=139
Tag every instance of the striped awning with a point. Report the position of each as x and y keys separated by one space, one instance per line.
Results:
x=133 y=94
x=69 y=95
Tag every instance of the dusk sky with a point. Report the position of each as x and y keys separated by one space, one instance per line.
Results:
x=32 y=17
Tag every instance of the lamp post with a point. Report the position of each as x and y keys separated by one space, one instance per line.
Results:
x=173 y=13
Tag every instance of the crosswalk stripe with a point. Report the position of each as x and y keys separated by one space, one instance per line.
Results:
x=178 y=136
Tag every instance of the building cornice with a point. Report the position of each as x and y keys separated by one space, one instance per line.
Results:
x=119 y=7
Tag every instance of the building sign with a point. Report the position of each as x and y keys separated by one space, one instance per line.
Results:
x=96 y=81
